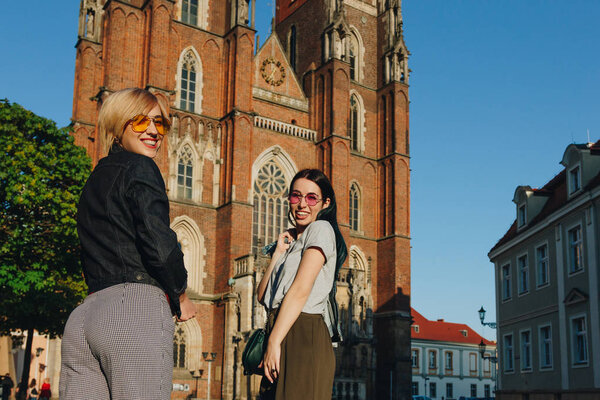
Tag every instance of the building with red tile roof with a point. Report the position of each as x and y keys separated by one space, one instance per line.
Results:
x=447 y=362
x=440 y=330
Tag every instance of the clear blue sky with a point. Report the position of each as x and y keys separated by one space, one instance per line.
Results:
x=498 y=90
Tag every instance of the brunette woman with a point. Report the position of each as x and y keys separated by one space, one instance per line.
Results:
x=118 y=344
x=32 y=392
x=296 y=289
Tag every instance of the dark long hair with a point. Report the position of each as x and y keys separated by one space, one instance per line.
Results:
x=328 y=214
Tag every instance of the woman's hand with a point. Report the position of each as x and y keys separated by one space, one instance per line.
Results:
x=271 y=359
x=188 y=309
x=284 y=242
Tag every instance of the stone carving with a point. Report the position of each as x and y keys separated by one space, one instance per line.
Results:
x=189 y=61
x=90 y=17
x=243 y=12
x=89 y=32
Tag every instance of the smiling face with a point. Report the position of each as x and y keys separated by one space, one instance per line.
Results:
x=302 y=213
x=146 y=143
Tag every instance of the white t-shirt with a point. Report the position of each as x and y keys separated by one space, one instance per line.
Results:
x=318 y=234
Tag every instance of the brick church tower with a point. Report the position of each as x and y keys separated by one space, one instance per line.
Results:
x=328 y=89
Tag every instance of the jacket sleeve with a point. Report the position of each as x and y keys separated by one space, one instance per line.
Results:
x=156 y=241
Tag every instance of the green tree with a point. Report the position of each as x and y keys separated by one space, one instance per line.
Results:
x=42 y=173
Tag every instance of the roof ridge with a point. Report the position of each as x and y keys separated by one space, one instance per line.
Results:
x=445 y=331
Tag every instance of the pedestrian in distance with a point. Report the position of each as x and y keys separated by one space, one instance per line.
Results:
x=45 y=391
x=32 y=392
x=298 y=291
x=7 y=386
x=118 y=344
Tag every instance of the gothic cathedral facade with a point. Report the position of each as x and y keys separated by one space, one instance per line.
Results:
x=327 y=89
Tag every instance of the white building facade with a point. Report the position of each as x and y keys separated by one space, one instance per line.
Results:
x=447 y=363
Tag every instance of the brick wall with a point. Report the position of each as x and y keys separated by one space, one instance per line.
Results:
x=141 y=45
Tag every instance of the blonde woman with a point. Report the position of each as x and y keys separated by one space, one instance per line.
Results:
x=45 y=392
x=118 y=344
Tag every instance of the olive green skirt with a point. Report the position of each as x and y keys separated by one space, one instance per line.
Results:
x=307 y=364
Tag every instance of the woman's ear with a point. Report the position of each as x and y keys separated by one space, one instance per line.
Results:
x=326 y=202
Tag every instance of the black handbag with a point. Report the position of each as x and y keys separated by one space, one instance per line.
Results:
x=253 y=352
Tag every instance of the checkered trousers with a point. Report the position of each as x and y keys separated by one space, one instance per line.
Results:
x=118 y=345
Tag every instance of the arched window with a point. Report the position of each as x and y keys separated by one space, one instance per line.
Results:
x=352 y=60
x=179 y=348
x=357 y=259
x=363 y=310
x=187 y=95
x=191 y=243
x=189 y=12
x=185 y=171
x=292 y=43
x=401 y=65
x=270 y=206
x=355 y=52
x=354 y=207
x=354 y=124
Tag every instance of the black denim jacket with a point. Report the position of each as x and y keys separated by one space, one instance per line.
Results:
x=123 y=226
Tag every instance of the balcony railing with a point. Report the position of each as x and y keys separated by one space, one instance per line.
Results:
x=284 y=128
x=243 y=265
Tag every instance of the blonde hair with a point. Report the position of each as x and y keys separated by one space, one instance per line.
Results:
x=121 y=106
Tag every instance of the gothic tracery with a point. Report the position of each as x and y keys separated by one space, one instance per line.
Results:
x=270 y=205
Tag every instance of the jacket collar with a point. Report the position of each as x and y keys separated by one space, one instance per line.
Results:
x=115 y=148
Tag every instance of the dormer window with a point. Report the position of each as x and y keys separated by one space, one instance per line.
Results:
x=522 y=215
x=464 y=332
x=574 y=179
x=416 y=328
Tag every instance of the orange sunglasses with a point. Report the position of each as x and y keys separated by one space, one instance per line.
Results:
x=141 y=122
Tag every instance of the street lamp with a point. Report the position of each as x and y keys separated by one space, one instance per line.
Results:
x=38 y=353
x=493 y=360
x=196 y=374
x=209 y=360
x=482 y=318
